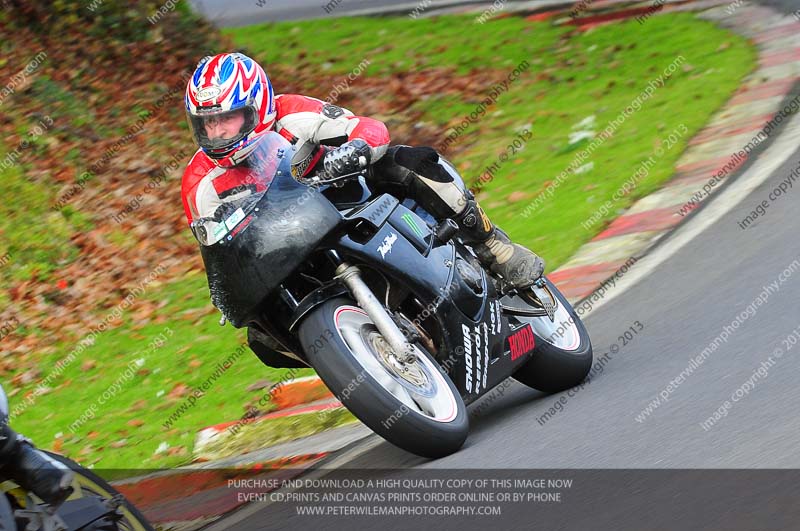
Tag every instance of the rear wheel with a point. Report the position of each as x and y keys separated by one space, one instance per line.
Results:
x=563 y=354
x=414 y=405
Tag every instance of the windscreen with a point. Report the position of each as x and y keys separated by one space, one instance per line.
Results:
x=225 y=196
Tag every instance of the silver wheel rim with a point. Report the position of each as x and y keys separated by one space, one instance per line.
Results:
x=562 y=332
x=421 y=389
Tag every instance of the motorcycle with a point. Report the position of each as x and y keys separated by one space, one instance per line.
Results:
x=91 y=505
x=395 y=313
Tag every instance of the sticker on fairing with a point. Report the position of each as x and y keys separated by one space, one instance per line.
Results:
x=477 y=341
x=467 y=357
x=386 y=246
x=521 y=342
x=485 y=354
x=234 y=219
x=219 y=231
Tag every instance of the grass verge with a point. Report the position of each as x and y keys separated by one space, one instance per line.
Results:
x=270 y=432
x=110 y=408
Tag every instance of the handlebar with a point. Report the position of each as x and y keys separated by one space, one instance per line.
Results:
x=322 y=178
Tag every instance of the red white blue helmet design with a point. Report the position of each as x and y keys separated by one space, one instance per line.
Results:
x=223 y=84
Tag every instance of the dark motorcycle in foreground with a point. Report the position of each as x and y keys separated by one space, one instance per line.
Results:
x=394 y=313
x=86 y=501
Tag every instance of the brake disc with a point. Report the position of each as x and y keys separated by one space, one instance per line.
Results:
x=410 y=372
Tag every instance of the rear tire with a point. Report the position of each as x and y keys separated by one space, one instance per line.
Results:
x=342 y=344
x=552 y=368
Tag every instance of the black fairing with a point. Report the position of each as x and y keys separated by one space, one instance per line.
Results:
x=88 y=513
x=287 y=225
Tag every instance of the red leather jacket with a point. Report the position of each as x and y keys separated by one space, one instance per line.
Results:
x=301 y=119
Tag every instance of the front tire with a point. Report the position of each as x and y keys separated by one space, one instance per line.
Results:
x=421 y=412
x=562 y=357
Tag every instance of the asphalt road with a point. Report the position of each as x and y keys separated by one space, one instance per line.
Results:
x=243 y=12
x=233 y=13
x=785 y=6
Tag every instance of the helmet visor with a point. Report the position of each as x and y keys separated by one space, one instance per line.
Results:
x=215 y=130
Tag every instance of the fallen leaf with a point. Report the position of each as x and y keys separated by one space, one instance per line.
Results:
x=178 y=450
x=179 y=391
x=138 y=405
x=516 y=196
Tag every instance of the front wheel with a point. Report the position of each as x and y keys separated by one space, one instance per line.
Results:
x=414 y=405
x=562 y=356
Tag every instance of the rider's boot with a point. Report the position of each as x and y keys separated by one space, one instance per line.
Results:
x=32 y=469
x=517 y=265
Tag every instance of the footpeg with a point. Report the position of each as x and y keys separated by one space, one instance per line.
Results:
x=546 y=299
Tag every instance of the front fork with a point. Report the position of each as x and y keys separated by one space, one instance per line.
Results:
x=351 y=277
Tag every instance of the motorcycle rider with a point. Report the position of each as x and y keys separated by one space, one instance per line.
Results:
x=230 y=103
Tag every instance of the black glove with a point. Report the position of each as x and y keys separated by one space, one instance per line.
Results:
x=347 y=158
x=34 y=470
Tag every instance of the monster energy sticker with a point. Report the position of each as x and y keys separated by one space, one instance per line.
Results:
x=412 y=224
